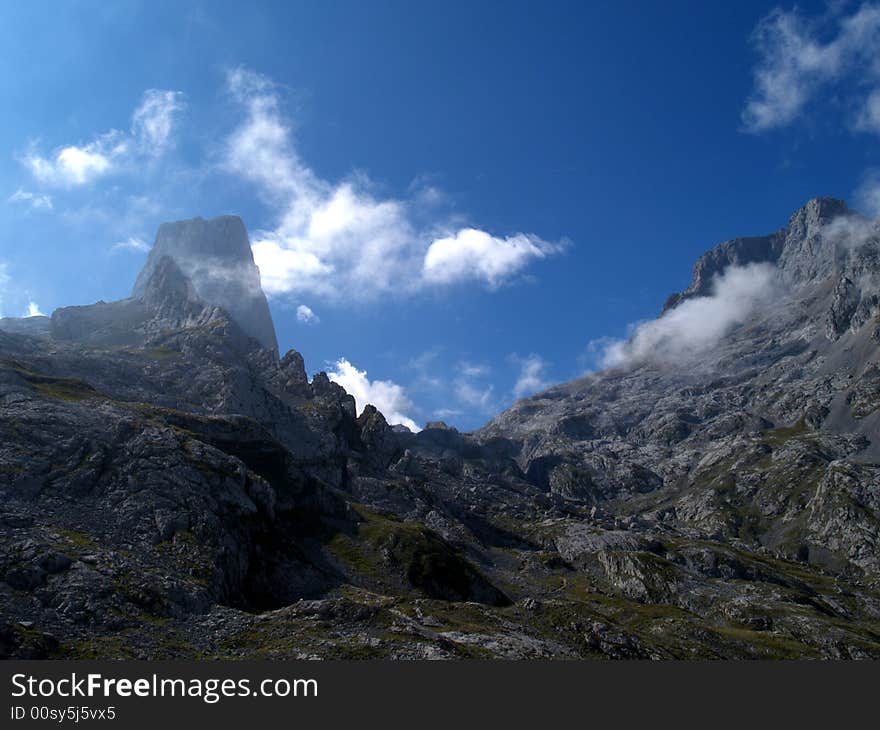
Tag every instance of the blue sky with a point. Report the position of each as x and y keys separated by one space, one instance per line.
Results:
x=449 y=202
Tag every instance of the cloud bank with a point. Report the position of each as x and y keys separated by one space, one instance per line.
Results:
x=343 y=239
x=389 y=397
x=697 y=324
x=800 y=58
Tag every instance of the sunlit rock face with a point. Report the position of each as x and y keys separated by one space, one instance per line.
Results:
x=216 y=256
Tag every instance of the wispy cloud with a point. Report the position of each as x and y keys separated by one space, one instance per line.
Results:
x=799 y=57
x=478 y=397
x=153 y=121
x=344 y=239
x=471 y=370
x=472 y=390
x=697 y=324
x=389 y=397
x=35 y=201
x=532 y=376
x=868 y=193
x=132 y=243
x=305 y=315
x=4 y=282
x=448 y=413
x=854 y=230
x=75 y=165
x=868 y=119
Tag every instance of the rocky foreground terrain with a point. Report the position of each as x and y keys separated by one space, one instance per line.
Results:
x=170 y=488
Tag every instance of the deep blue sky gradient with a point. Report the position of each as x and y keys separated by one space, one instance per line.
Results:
x=614 y=125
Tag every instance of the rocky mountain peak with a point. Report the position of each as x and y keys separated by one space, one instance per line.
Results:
x=815 y=213
x=807 y=250
x=222 y=237
x=809 y=253
x=215 y=255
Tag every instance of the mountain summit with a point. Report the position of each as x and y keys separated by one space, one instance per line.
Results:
x=200 y=273
x=216 y=256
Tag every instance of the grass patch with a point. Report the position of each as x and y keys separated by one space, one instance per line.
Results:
x=765 y=645
x=162 y=353
x=48 y=386
x=404 y=555
x=778 y=437
x=83 y=542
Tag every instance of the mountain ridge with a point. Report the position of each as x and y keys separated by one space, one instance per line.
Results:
x=720 y=501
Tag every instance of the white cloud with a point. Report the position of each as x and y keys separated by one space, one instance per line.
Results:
x=132 y=243
x=696 y=324
x=389 y=397
x=475 y=254
x=343 y=239
x=34 y=200
x=153 y=121
x=33 y=310
x=73 y=166
x=531 y=375
x=305 y=315
x=796 y=63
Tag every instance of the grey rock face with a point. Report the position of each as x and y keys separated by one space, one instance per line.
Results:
x=169 y=303
x=804 y=251
x=738 y=252
x=808 y=252
x=102 y=323
x=216 y=256
x=34 y=326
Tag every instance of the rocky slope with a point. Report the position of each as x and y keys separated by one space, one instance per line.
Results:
x=170 y=488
